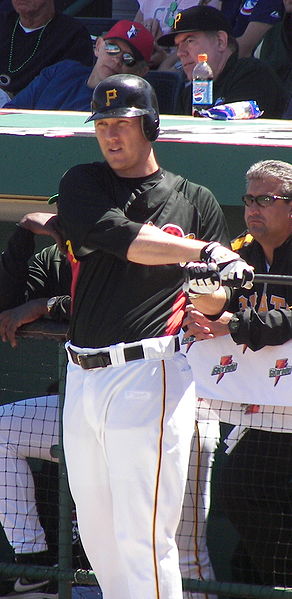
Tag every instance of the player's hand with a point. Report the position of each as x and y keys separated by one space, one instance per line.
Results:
x=234 y=271
x=44 y=223
x=202 y=278
x=198 y=326
x=11 y=320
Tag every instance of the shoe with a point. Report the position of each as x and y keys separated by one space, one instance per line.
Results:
x=28 y=589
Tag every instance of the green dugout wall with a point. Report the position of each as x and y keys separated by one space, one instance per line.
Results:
x=36 y=147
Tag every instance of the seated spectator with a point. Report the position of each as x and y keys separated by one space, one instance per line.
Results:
x=68 y=85
x=251 y=20
x=277 y=47
x=159 y=18
x=34 y=36
x=203 y=29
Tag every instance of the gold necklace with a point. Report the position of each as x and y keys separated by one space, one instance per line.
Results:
x=5 y=80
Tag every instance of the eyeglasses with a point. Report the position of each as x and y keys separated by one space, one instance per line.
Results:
x=114 y=49
x=263 y=200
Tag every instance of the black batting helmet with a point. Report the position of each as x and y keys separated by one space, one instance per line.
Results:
x=129 y=96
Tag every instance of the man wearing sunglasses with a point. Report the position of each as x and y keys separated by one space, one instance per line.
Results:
x=67 y=85
x=255 y=481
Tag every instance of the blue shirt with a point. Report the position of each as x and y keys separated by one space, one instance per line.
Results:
x=241 y=12
x=62 y=86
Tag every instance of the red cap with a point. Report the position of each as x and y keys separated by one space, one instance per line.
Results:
x=140 y=40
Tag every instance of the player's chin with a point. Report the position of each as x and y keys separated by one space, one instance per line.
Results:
x=115 y=159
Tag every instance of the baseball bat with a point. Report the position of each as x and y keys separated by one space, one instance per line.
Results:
x=263 y=278
x=276 y=279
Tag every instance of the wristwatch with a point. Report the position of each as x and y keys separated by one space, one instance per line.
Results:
x=51 y=304
x=233 y=324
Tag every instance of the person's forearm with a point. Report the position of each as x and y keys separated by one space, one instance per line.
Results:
x=211 y=305
x=139 y=17
x=257 y=330
x=252 y=36
x=154 y=247
x=11 y=320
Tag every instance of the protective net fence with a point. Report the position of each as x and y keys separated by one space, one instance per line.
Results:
x=39 y=536
x=234 y=537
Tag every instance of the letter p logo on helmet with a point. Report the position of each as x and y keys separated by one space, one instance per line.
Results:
x=111 y=94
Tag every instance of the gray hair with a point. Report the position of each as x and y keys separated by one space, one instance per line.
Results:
x=276 y=169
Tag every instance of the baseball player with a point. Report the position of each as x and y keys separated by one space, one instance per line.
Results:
x=129 y=409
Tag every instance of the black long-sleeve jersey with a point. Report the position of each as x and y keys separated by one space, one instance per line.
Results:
x=115 y=300
x=263 y=311
x=47 y=275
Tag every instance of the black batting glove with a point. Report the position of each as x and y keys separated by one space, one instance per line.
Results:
x=201 y=278
x=234 y=271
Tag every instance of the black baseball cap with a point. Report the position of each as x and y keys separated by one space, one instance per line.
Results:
x=196 y=18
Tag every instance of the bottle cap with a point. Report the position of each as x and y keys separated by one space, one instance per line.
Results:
x=202 y=57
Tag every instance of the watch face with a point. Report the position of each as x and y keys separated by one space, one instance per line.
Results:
x=233 y=324
x=50 y=303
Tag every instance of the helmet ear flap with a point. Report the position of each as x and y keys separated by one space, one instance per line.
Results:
x=150 y=126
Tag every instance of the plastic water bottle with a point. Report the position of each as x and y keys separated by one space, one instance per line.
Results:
x=202 y=89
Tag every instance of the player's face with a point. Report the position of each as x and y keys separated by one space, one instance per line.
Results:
x=271 y=224
x=189 y=45
x=123 y=145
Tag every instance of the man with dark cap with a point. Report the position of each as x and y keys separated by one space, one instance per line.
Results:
x=203 y=29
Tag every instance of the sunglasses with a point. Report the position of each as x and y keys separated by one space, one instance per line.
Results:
x=114 y=49
x=262 y=200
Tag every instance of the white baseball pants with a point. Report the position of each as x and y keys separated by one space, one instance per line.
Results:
x=127 y=434
x=28 y=428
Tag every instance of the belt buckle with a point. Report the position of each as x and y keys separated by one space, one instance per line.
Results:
x=92 y=361
x=80 y=358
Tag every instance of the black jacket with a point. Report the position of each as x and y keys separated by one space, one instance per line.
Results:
x=263 y=312
x=247 y=79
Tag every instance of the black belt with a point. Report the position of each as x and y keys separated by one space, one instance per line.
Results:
x=103 y=359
